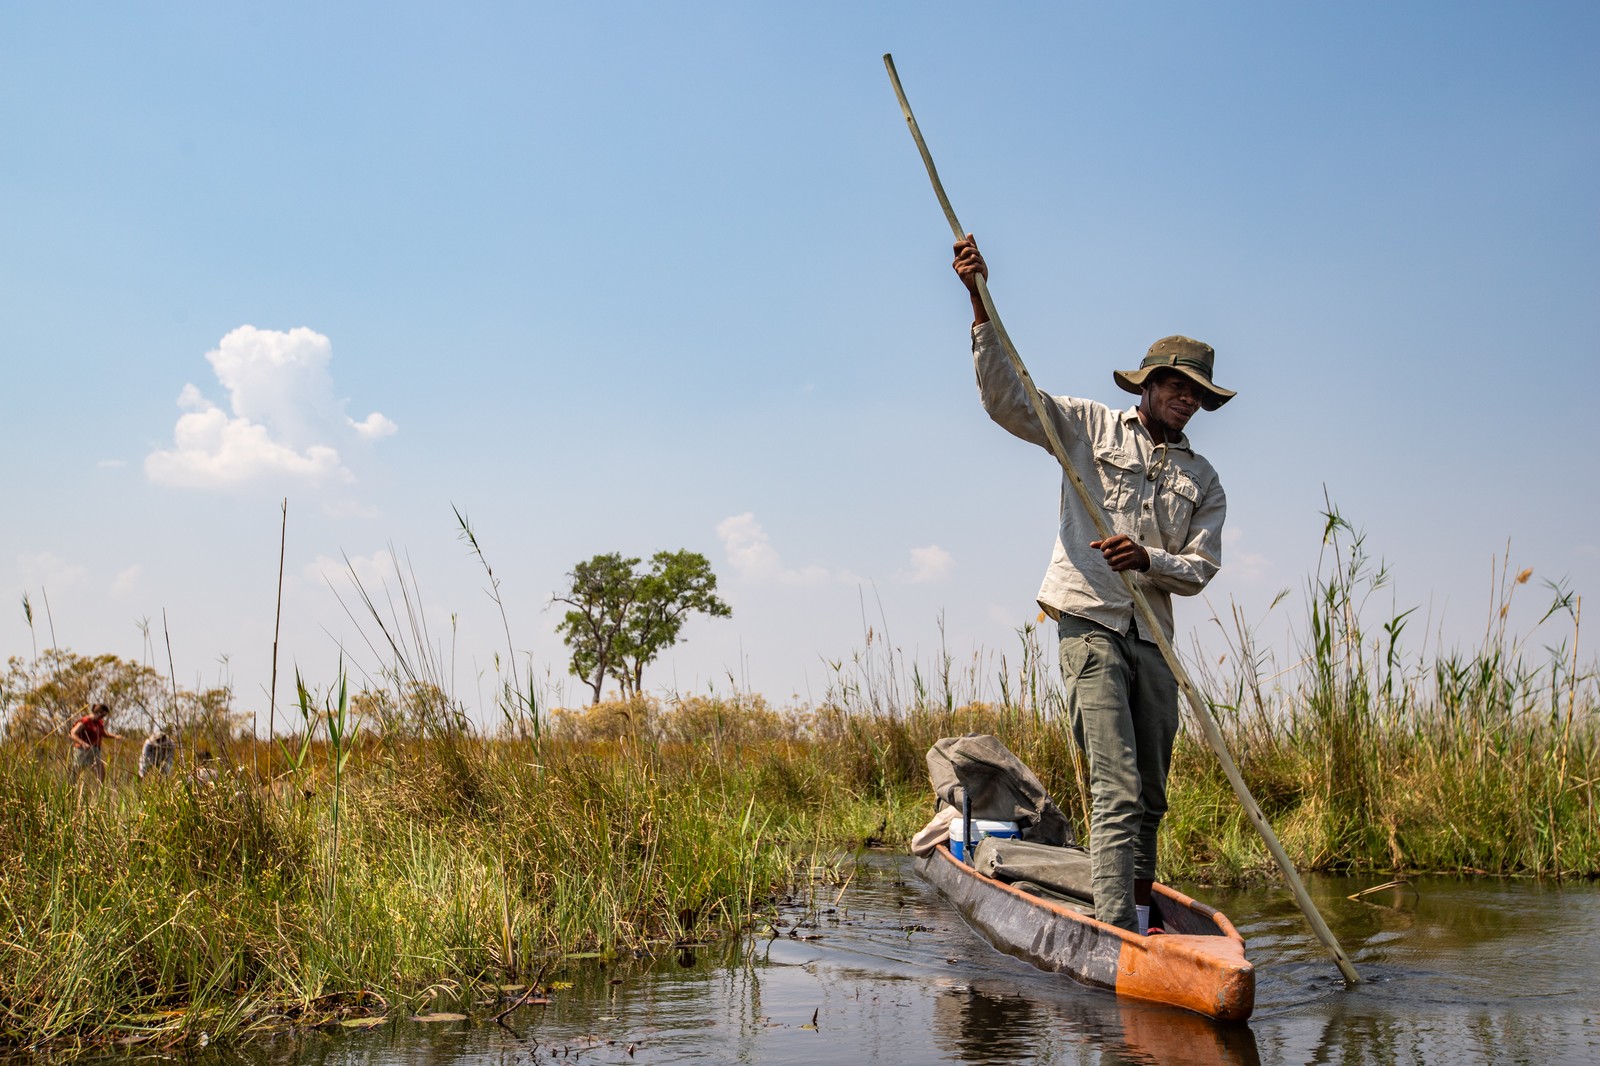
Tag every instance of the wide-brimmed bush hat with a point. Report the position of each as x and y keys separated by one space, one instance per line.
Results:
x=1189 y=357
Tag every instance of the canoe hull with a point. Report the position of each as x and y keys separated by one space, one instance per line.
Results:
x=1198 y=964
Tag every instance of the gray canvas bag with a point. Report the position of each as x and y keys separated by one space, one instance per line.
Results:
x=1000 y=784
x=1065 y=871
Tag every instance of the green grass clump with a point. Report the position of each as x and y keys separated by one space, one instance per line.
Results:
x=232 y=904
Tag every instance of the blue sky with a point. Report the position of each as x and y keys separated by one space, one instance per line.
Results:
x=632 y=277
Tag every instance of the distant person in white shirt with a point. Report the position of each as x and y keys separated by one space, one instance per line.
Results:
x=157 y=754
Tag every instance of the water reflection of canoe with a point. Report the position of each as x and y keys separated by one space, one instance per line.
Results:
x=1197 y=964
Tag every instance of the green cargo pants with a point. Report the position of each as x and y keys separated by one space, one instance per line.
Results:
x=1123 y=704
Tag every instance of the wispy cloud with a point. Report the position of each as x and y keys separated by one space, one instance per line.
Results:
x=345 y=507
x=755 y=559
x=1014 y=615
x=928 y=564
x=50 y=570
x=127 y=581
x=1241 y=564
x=283 y=420
x=371 y=570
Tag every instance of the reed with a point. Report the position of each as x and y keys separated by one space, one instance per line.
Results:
x=388 y=851
x=1376 y=757
x=231 y=904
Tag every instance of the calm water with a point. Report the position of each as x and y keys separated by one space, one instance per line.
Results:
x=882 y=971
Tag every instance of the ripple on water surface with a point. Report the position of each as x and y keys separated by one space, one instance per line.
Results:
x=882 y=971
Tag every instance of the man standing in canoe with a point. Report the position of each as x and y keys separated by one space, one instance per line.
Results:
x=1166 y=509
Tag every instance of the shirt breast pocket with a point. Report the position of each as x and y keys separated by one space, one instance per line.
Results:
x=1119 y=476
x=1175 y=504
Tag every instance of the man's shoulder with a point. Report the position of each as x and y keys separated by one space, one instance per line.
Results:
x=1200 y=468
x=1092 y=412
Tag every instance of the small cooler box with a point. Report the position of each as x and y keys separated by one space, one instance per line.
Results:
x=981 y=827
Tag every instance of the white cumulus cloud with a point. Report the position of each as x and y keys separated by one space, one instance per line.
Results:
x=374 y=427
x=283 y=418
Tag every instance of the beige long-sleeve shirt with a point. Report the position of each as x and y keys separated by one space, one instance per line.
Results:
x=1166 y=497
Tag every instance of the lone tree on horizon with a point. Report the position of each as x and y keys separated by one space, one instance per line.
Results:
x=623 y=618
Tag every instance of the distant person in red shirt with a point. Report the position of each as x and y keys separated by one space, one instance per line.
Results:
x=86 y=734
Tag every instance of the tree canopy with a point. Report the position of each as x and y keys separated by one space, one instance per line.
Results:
x=41 y=698
x=623 y=617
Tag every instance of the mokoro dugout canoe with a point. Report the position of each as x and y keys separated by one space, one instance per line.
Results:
x=1197 y=964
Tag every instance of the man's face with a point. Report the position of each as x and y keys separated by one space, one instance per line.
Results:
x=1170 y=400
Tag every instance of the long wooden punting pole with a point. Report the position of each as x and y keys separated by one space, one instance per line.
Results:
x=1197 y=704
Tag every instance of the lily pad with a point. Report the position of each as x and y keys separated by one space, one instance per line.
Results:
x=439 y=1016
x=362 y=1023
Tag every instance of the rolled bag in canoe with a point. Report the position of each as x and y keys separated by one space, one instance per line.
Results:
x=1198 y=964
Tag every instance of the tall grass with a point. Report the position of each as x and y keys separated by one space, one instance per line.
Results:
x=232 y=904
x=1373 y=757
x=388 y=850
